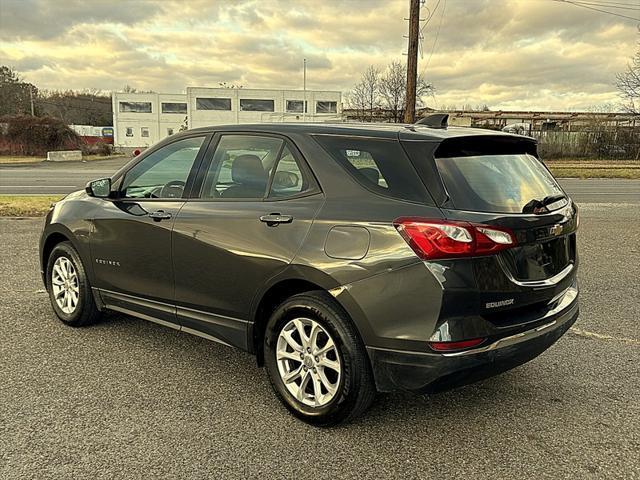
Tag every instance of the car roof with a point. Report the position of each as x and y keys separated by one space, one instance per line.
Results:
x=378 y=130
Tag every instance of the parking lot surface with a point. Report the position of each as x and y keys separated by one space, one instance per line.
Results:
x=131 y=399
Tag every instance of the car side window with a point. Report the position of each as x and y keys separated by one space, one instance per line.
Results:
x=288 y=178
x=240 y=167
x=163 y=173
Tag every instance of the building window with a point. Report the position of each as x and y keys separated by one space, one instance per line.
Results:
x=169 y=132
x=144 y=132
x=135 y=107
x=213 y=104
x=255 y=105
x=129 y=132
x=326 y=107
x=295 y=106
x=174 y=107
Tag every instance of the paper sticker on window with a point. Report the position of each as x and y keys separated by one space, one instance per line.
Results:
x=353 y=153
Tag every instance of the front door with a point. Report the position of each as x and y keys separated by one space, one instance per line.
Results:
x=256 y=203
x=131 y=235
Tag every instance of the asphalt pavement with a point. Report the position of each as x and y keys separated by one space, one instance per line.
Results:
x=48 y=178
x=130 y=399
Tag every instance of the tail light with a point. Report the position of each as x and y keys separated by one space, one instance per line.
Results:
x=432 y=239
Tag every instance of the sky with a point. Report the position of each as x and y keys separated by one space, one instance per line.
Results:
x=508 y=54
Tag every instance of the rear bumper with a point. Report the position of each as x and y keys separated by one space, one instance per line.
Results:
x=424 y=372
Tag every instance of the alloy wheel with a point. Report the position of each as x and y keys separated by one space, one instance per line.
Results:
x=65 y=285
x=308 y=362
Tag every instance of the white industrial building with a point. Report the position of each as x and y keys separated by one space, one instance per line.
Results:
x=142 y=119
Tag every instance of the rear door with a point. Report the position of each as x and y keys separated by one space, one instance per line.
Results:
x=255 y=204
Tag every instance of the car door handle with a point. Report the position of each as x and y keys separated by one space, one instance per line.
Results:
x=274 y=219
x=159 y=215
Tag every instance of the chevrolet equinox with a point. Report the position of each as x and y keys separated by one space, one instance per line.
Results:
x=350 y=259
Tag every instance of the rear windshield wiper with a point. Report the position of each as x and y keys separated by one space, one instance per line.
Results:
x=540 y=206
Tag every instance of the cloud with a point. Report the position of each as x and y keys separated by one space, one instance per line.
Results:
x=521 y=54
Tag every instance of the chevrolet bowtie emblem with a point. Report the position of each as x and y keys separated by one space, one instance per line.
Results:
x=555 y=230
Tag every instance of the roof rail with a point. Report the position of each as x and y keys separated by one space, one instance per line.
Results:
x=435 y=120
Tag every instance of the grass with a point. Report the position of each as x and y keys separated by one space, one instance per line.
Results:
x=597 y=172
x=25 y=206
x=17 y=159
x=4 y=159
x=581 y=168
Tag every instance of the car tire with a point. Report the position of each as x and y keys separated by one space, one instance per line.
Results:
x=342 y=375
x=69 y=288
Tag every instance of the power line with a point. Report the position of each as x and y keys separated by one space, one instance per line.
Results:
x=597 y=9
x=607 y=5
x=435 y=42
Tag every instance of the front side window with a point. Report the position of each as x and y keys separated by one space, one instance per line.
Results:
x=377 y=164
x=255 y=105
x=326 y=107
x=213 y=104
x=174 y=107
x=163 y=173
x=135 y=107
x=296 y=106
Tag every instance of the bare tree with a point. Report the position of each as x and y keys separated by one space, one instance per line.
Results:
x=393 y=83
x=628 y=84
x=365 y=95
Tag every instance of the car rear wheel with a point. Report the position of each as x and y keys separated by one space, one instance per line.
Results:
x=316 y=361
x=69 y=287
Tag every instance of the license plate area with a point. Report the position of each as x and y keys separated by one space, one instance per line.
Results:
x=540 y=260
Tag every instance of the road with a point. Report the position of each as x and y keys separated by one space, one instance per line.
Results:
x=62 y=178
x=131 y=399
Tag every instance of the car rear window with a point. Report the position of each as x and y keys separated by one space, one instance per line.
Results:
x=379 y=165
x=496 y=183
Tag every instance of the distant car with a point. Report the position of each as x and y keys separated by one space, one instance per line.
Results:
x=349 y=259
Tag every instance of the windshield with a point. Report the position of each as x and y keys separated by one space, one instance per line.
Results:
x=499 y=183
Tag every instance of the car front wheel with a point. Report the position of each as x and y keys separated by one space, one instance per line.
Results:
x=316 y=361
x=69 y=287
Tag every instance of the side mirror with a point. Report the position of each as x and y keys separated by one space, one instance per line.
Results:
x=100 y=188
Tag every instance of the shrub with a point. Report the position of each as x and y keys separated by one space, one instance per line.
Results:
x=26 y=135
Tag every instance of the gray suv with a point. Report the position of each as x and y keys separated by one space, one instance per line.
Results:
x=350 y=259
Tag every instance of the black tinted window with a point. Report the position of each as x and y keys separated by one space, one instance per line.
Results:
x=135 y=107
x=174 y=107
x=255 y=105
x=379 y=165
x=496 y=183
x=326 y=107
x=213 y=104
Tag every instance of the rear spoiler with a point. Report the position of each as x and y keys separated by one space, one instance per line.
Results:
x=478 y=145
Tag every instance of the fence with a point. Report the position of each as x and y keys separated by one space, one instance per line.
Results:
x=609 y=143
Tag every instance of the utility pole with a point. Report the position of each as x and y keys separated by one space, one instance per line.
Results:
x=31 y=98
x=304 y=89
x=412 y=61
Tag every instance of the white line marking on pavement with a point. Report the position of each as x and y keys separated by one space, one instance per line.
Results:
x=599 y=336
